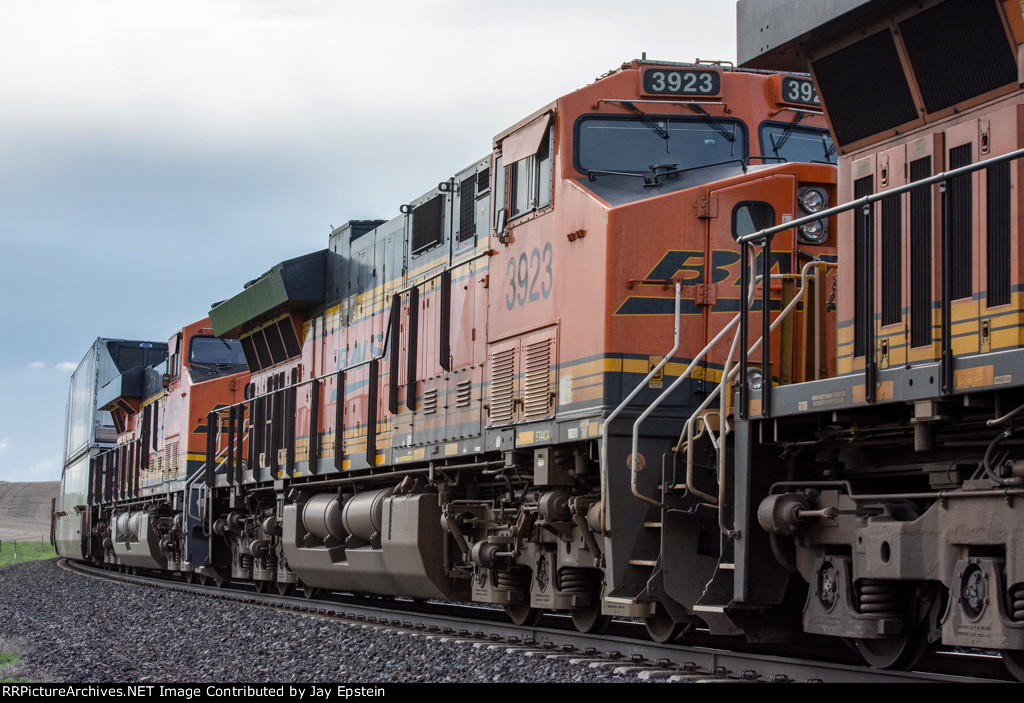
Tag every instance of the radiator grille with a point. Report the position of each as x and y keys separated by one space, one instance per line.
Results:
x=170 y=462
x=956 y=52
x=427 y=224
x=467 y=208
x=866 y=73
x=502 y=386
x=537 y=379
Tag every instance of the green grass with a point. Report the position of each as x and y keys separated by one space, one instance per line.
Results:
x=27 y=551
x=7 y=660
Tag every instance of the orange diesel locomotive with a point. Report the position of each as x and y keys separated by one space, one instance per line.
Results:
x=442 y=405
x=156 y=409
x=883 y=506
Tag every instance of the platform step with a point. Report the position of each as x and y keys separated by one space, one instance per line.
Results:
x=626 y=607
x=643 y=562
x=708 y=609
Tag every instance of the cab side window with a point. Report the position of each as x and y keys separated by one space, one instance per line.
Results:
x=528 y=167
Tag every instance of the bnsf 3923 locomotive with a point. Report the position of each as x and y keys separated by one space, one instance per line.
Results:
x=481 y=399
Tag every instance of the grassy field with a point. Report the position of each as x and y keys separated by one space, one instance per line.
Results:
x=27 y=551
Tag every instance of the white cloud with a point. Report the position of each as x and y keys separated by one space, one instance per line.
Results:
x=62 y=367
x=43 y=470
x=224 y=73
x=3 y=443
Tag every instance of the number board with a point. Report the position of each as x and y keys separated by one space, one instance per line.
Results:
x=799 y=91
x=682 y=81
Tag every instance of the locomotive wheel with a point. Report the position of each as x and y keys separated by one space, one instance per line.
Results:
x=311 y=593
x=262 y=586
x=661 y=627
x=523 y=614
x=1014 y=661
x=892 y=652
x=190 y=577
x=590 y=620
x=285 y=589
x=207 y=580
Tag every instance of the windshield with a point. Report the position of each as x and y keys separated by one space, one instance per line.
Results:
x=797 y=143
x=210 y=357
x=634 y=145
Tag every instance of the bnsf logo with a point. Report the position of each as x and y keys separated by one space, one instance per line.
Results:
x=689 y=267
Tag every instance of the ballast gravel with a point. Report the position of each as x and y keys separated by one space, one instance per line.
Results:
x=68 y=628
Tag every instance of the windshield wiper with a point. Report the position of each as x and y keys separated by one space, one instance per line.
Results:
x=715 y=124
x=658 y=174
x=786 y=133
x=215 y=365
x=647 y=121
x=830 y=148
x=591 y=173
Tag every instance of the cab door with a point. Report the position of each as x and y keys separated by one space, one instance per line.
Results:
x=774 y=195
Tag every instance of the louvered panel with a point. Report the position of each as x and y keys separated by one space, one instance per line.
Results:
x=502 y=386
x=429 y=402
x=172 y=460
x=537 y=379
x=464 y=393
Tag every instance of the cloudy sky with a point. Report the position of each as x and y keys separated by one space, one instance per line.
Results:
x=155 y=155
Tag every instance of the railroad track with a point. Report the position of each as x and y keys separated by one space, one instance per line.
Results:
x=624 y=647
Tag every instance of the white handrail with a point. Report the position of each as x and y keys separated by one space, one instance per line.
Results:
x=728 y=374
x=614 y=413
x=668 y=391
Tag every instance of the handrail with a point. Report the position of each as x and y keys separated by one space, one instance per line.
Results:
x=946 y=360
x=615 y=413
x=664 y=394
x=729 y=372
x=760 y=235
x=202 y=468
